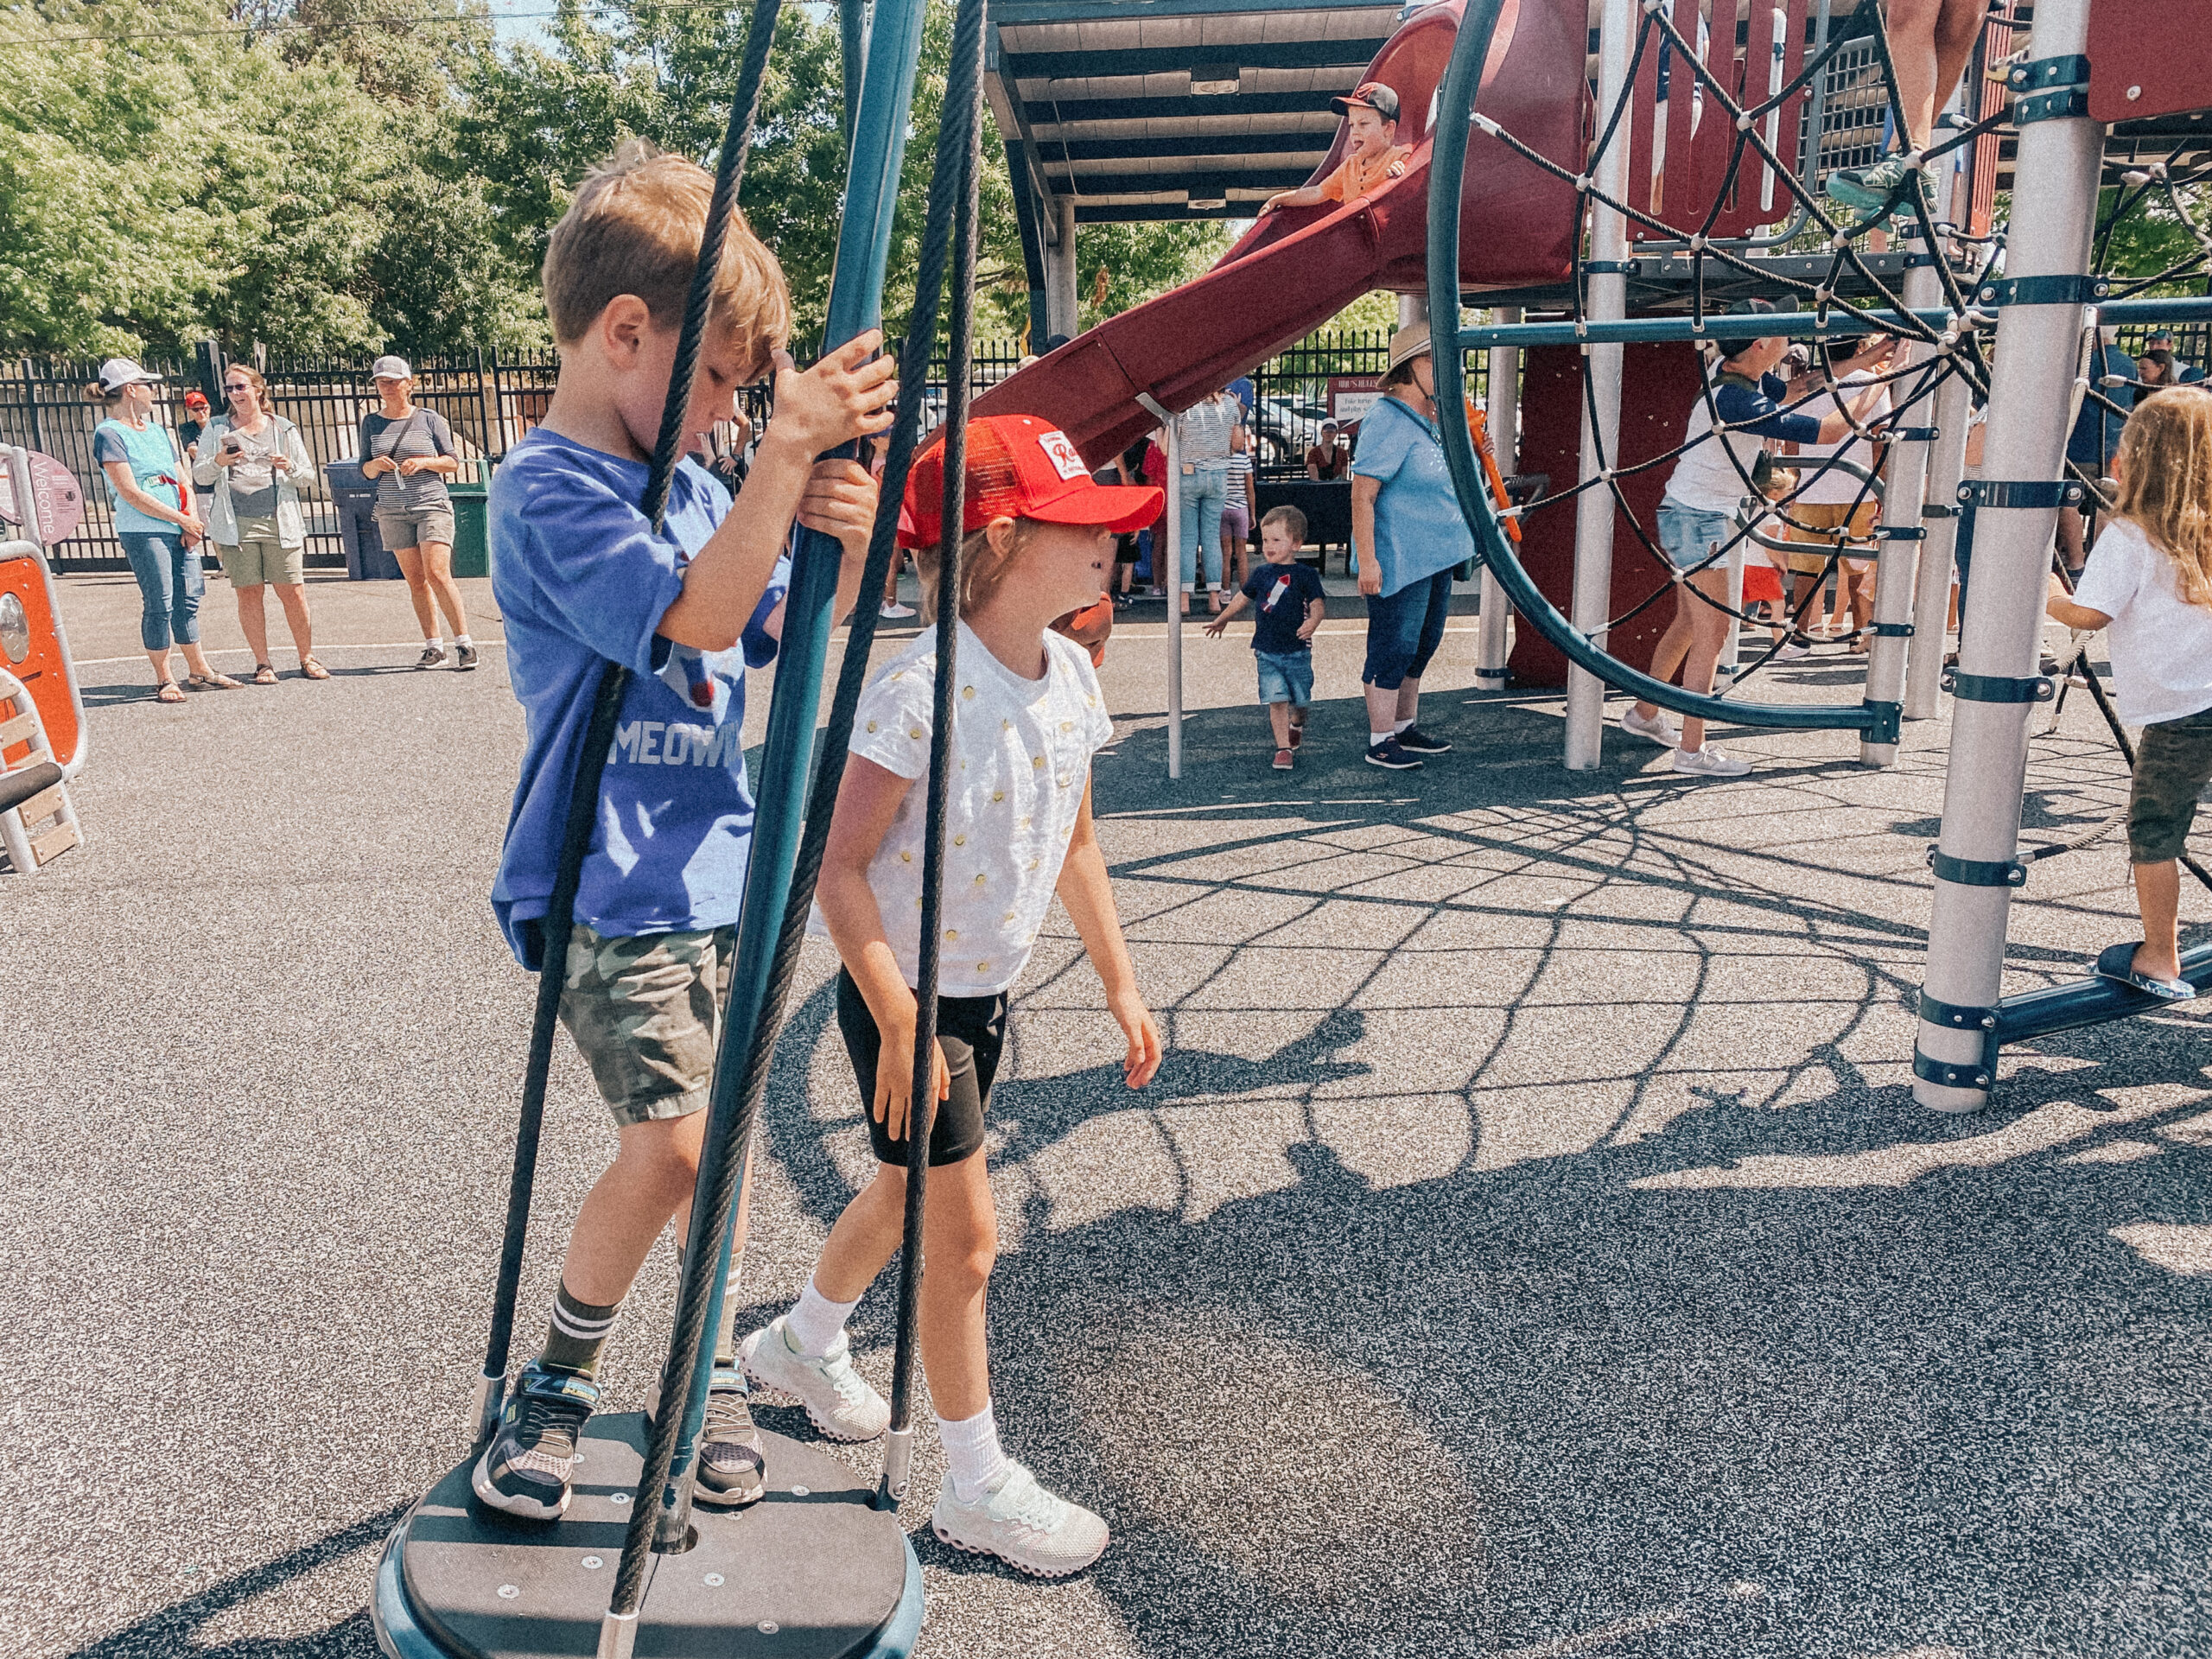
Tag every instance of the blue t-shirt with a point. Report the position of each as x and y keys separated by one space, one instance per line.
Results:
x=1419 y=529
x=1279 y=594
x=152 y=457
x=581 y=580
x=2087 y=445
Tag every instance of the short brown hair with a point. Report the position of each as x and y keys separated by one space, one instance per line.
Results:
x=1288 y=517
x=634 y=228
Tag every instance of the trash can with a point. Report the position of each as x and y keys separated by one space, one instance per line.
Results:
x=354 y=499
x=471 y=520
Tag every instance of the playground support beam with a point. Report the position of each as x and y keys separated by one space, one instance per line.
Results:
x=1801 y=325
x=1061 y=312
x=1601 y=423
x=2054 y=204
x=1901 y=527
x=1931 y=592
x=1171 y=533
x=1502 y=414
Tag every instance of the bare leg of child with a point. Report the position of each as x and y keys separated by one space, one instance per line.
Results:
x=2157 y=896
x=1667 y=656
x=1279 y=717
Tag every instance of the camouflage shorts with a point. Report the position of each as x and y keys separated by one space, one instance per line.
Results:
x=643 y=1011
x=2172 y=764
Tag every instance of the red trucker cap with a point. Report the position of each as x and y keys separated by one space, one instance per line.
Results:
x=1019 y=467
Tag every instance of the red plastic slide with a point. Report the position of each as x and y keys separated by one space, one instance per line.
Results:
x=1298 y=267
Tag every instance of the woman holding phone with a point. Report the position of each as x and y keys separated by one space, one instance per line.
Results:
x=259 y=465
x=409 y=452
x=156 y=523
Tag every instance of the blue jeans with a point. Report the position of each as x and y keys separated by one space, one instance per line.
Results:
x=1689 y=535
x=1286 y=676
x=1404 y=629
x=170 y=582
x=1204 y=496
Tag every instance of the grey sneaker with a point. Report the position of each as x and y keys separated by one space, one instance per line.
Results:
x=838 y=1399
x=1022 y=1524
x=733 y=1471
x=525 y=1470
x=1710 y=762
x=432 y=654
x=464 y=658
x=1880 y=188
x=1658 y=728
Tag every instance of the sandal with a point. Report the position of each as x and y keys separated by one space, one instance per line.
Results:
x=264 y=674
x=2118 y=963
x=214 y=682
x=168 y=692
x=312 y=670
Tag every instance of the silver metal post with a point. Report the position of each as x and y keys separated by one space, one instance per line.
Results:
x=1731 y=650
x=1593 y=516
x=487 y=1399
x=1502 y=414
x=1894 y=562
x=1173 y=524
x=618 y=1636
x=19 y=479
x=1931 y=590
x=2054 y=202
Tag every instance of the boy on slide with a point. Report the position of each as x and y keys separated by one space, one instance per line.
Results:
x=1039 y=540
x=1370 y=110
x=582 y=580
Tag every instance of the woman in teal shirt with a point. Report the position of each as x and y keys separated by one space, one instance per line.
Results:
x=155 y=520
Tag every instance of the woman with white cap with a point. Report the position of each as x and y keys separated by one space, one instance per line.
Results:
x=410 y=454
x=156 y=522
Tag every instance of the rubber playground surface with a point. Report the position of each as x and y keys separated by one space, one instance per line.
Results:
x=1529 y=1246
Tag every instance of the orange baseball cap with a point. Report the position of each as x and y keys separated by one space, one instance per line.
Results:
x=1019 y=467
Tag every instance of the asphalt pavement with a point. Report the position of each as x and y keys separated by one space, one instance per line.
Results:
x=1529 y=1246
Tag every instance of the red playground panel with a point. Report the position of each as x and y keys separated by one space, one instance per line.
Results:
x=2149 y=58
x=29 y=626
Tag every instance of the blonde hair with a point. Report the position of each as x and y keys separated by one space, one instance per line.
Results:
x=983 y=569
x=635 y=228
x=252 y=378
x=2166 y=490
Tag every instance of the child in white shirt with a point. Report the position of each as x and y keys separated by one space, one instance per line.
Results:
x=1038 y=542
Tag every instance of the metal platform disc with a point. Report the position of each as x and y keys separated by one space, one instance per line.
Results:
x=810 y=1572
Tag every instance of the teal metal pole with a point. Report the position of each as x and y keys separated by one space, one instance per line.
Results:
x=852 y=52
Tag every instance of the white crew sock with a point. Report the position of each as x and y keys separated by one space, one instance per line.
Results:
x=1400 y=726
x=971 y=1453
x=1374 y=738
x=431 y=642
x=463 y=640
x=815 y=1321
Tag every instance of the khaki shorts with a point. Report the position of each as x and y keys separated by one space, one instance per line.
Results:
x=398 y=527
x=1816 y=516
x=260 y=557
x=2173 y=763
x=643 y=1010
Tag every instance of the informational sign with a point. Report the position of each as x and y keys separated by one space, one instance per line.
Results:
x=55 y=495
x=1351 y=395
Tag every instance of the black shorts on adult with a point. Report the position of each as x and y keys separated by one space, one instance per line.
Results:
x=970 y=1030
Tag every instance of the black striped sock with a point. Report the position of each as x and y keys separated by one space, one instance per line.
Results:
x=576 y=1334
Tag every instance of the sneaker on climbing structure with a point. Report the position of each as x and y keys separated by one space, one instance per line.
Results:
x=838 y=1399
x=1880 y=188
x=1022 y=1524
x=733 y=1470
x=525 y=1470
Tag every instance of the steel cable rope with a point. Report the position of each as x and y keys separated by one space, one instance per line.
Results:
x=957 y=117
x=1455 y=99
x=582 y=816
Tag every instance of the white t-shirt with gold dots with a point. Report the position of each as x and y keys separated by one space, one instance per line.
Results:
x=1022 y=761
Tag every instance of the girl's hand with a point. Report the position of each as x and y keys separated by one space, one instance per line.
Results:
x=839 y=501
x=842 y=397
x=894 y=1079
x=279 y=464
x=189 y=523
x=1370 y=578
x=1143 y=1061
x=1214 y=627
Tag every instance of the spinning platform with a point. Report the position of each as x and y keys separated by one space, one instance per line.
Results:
x=813 y=1571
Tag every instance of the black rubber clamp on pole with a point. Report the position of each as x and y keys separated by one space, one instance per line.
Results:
x=1892 y=629
x=1931 y=1070
x=1977 y=872
x=1910 y=435
x=1979 y=1022
x=1611 y=267
x=1938 y=509
x=1888 y=723
x=2043 y=290
x=1999 y=688
x=2065 y=104
x=1901 y=533
x=2039 y=74
x=2025 y=494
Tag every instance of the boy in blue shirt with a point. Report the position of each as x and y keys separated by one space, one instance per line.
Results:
x=582 y=580
x=1290 y=604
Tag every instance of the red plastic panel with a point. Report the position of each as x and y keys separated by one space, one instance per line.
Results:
x=44 y=671
x=1998 y=40
x=2149 y=57
x=1691 y=169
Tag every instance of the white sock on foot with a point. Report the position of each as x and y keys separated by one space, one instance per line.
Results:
x=971 y=1453
x=1400 y=726
x=1375 y=739
x=815 y=1321
x=463 y=640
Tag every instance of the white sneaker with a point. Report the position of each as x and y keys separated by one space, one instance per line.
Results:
x=1792 y=653
x=895 y=611
x=838 y=1399
x=1658 y=728
x=1022 y=1524
x=1709 y=762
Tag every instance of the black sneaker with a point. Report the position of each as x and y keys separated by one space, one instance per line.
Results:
x=1413 y=740
x=732 y=1472
x=525 y=1471
x=432 y=654
x=464 y=658
x=1392 y=754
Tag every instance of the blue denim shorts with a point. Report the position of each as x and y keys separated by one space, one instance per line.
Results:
x=1287 y=677
x=1689 y=536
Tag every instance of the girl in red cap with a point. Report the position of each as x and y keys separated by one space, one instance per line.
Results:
x=1038 y=542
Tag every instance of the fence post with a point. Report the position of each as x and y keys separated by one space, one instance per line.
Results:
x=483 y=408
x=30 y=402
x=212 y=367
